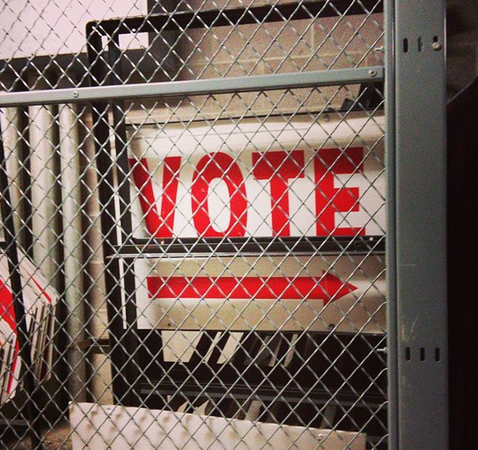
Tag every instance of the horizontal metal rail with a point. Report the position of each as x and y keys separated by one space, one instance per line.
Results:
x=243 y=391
x=195 y=87
x=191 y=247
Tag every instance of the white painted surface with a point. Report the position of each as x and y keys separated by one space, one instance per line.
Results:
x=45 y=27
x=362 y=310
x=96 y=427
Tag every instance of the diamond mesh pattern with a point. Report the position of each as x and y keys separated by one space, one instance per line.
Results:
x=45 y=42
x=198 y=271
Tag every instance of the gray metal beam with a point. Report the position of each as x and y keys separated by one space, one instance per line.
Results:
x=419 y=223
x=391 y=241
x=195 y=87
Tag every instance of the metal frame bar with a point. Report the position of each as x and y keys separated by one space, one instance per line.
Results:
x=195 y=87
x=417 y=257
x=120 y=346
x=107 y=63
x=200 y=246
x=391 y=242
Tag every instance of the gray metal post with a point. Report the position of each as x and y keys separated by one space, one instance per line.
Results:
x=72 y=243
x=417 y=225
x=392 y=336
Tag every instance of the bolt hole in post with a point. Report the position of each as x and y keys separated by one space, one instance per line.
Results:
x=408 y=354
x=405 y=45
x=436 y=45
x=422 y=354
x=437 y=355
x=420 y=44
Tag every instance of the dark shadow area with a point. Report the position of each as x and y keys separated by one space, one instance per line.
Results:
x=463 y=265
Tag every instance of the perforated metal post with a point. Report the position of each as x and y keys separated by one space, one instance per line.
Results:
x=416 y=99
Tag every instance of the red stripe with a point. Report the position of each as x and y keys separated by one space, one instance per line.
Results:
x=326 y=288
x=7 y=312
x=42 y=290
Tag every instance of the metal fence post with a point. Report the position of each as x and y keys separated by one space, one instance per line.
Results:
x=418 y=218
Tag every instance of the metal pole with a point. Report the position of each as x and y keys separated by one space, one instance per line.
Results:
x=95 y=269
x=72 y=244
x=44 y=192
x=95 y=93
x=420 y=224
x=121 y=388
x=391 y=241
x=12 y=141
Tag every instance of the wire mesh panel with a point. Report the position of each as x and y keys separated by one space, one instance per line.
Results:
x=44 y=42
x=203 y=268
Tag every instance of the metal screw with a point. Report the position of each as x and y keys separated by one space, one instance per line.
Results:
x=372 y=73
x=75 y=94
x=436 y=46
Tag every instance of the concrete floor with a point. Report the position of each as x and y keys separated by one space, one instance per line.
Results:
x=56 y=439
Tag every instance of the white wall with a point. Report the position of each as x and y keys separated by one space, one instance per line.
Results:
x=47 y=27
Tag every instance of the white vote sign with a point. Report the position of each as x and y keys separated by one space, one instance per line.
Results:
x=279 y=177
x=263 y=293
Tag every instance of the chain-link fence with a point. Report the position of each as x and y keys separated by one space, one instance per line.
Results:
x=193 y=253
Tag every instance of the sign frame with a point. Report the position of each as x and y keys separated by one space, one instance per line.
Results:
x=197 y=247
x=127 y=387
x=127 y=337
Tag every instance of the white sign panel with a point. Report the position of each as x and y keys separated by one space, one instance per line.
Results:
x=262 y=293
x=98 y=427
x=40 y=301
x=281 y=177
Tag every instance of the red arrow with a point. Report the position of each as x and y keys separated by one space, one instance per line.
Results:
x=326 y=288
